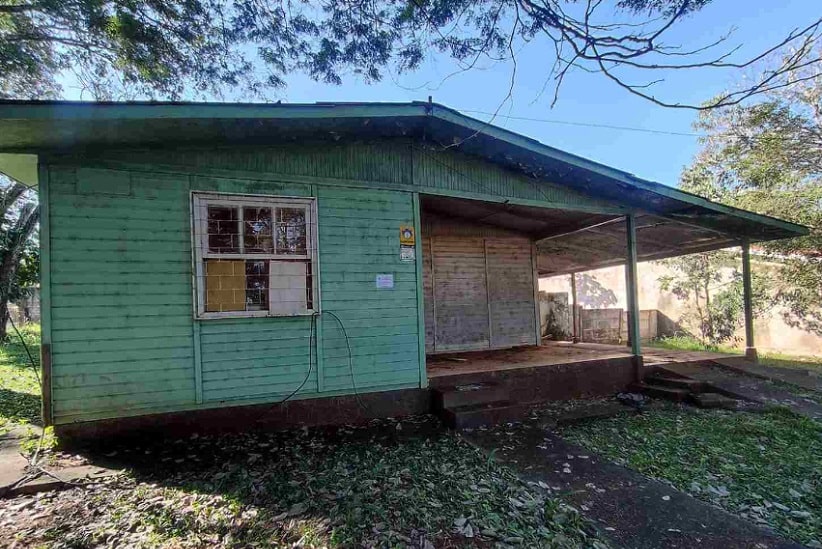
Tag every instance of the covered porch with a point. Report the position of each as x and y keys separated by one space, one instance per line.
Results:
x=482 y=304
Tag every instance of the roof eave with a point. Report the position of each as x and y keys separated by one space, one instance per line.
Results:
x=608 y=178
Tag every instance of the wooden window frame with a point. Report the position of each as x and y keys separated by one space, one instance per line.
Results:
x=201 y=200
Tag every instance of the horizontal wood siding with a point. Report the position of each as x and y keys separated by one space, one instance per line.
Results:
x=254 y=358
x=121 y=289
x=359 y=239
x=123 y=340
x=121 y=293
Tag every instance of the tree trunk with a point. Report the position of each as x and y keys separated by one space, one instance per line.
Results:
x=16 y=238
x=4 y=319
x=701 y=316
x=710 y=317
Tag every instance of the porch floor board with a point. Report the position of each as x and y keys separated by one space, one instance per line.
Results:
x=551 y=353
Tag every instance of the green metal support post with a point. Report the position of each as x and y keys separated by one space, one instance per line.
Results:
x=747 y=292
x=632 y=295
x=574 y=310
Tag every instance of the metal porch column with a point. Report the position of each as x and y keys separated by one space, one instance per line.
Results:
x=574 y=310
x=747 y=298
x=632 y=296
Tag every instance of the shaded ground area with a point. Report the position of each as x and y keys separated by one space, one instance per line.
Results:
x=810 y=364
x=801 y=401
x=412 y=484
x=387 y=485
x=765 y=467
x=725 y=458
x=768 y=361
x=797 y=373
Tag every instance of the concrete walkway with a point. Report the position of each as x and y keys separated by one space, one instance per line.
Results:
x=806 y=379
x=629 y=509
x=13 y=466
x=752 y=388
x=18 y=478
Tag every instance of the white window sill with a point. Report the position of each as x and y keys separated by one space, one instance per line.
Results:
x=250 y=314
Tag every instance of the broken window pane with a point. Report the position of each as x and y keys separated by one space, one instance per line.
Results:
x=256 y=279
x=223 y=230
x=291 y=231
x=257 y=236
x=309 y=287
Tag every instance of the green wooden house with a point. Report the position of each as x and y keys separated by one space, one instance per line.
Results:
x=207 y=262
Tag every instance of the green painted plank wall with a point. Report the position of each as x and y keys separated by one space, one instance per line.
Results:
x=122 y=333
x=122 y=330
x=460 y=173
x=380 y=324
x=120 y=294
x=387 y=162
x=391 y=163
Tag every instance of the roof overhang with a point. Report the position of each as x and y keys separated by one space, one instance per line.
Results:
x=570 y=241
x=32 y=128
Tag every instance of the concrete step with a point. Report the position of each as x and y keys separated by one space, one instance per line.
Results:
x=469 y=394
x=713 y=400
x=692 y=385
x=478 y=415
x=660 y=391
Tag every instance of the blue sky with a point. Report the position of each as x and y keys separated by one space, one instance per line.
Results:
x=589 y=98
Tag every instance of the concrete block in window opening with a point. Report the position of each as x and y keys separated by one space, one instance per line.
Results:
x=225 y=285
x=288 y=287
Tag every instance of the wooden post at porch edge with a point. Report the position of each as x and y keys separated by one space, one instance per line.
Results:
x=574 y=311
x=747 y=297
x=632 y=295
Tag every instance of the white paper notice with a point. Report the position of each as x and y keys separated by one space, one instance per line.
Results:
x=385 y=281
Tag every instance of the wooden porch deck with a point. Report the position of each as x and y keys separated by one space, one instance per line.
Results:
x=551 y=353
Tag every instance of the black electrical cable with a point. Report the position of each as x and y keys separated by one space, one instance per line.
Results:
x=350 y=362
x=311 y=341
x=34 y=365
x=33 y=462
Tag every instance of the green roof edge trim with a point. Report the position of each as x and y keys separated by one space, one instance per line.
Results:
x=83 y=110
x=607 y=171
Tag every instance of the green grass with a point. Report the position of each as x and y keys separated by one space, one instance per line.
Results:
x=689 y=343
x=765 y=467
x=371 y=487
x=776 y=360
x=779 y=360
x=19 y=389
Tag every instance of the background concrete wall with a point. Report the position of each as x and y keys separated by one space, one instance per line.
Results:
x=605 y=288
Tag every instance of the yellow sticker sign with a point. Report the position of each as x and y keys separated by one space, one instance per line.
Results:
x=407 y=235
